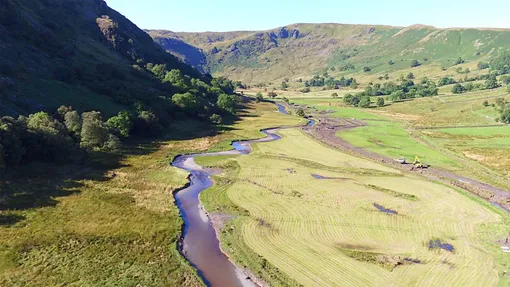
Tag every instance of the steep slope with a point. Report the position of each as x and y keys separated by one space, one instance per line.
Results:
x=77 y=52
x=300 y=50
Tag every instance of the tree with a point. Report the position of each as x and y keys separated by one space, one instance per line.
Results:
x=300 y=113
x=483 y=65
x=491 y=82
x=186 y=101
x=175 y=78
x=121 y=123
x=505 y=116
x=272 y=95
x=396 y=96
x=506 y=80
x=259 y=97
x=380 y=102
x=72 y=120
x=446 y=81
x=410 y=76
x=415 y=63
x=334 y=95
x=63 y=110
x=390 y=62
x=112 y=144
x=284 y=86
x=366 y=69
x=94 y=132
x=285 y=100
x=364 y=102
x=458 y=89
x=354 y=84
x=227 y=103
x=485 y=103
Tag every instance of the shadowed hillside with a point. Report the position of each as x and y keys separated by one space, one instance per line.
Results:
x=79 y=53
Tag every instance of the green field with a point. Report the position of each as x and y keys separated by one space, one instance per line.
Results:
x=412 y=128
x=327 y=232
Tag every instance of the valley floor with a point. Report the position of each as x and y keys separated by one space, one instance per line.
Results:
x=295 y=212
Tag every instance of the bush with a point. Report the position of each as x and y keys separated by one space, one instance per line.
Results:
x=415 y=63
x=305 y=90
x=259 y=97
x=334 y=95
x=366 y=69
x=300 y=113
x=485 y=103
x=272 y=95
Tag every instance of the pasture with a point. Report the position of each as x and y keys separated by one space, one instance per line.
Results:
x=363 y=224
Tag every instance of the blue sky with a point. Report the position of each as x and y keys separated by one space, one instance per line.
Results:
x=229 y=15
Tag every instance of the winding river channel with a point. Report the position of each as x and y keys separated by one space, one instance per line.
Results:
x=200 y=244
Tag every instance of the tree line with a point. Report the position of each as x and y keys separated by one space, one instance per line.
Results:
x=69 y=135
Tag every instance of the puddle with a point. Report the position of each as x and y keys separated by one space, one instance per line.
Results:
x=385 y=210
x=433 y=244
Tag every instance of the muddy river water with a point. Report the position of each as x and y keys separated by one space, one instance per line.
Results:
x=200 y=243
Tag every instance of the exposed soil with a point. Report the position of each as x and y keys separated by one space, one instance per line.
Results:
x=326 y=129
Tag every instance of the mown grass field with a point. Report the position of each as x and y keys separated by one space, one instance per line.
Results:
x=327 y=232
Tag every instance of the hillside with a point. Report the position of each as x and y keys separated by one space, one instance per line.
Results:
x=79 y=53
x=301 y=50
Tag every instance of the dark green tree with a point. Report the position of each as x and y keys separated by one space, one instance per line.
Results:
x=300 y=113
x=364 y=102
x=186 y=101
x=121 y=123
x=72 y=120
x=94 y=133
x=227 y=103
x=380 y=102
x=458 y=89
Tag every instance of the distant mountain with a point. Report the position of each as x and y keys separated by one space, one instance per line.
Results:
x=300 y=50
x=80 y=53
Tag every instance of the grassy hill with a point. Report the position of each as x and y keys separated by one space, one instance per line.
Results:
x=79 y=53
x=300 y=50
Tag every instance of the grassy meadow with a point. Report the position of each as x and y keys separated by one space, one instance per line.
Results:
x=79 y=225
x=432 y=128
x=328 y=232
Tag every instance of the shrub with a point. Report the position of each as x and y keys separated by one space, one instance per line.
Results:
x=300 y=113
x=415 y=63
x=216 y=119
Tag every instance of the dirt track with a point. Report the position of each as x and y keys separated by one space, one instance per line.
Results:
x=325 y=131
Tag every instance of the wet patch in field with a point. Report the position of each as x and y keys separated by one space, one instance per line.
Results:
x=437 y=244
x=385 y=210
